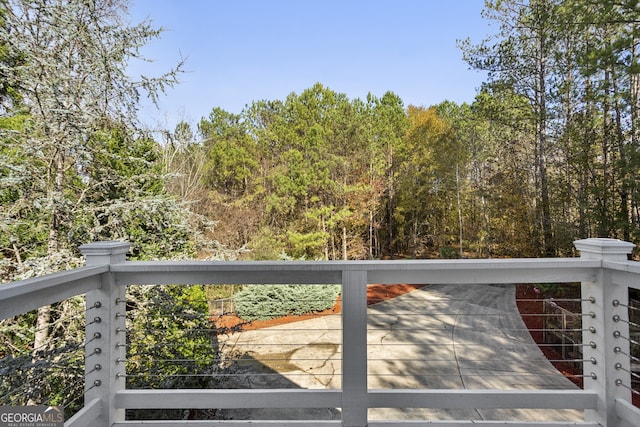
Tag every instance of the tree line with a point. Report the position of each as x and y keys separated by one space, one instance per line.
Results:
x=574 y=66
x=546 y=153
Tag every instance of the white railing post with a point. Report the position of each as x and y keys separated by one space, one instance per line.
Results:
x=105 y=351
x=354 y=349
x=600 y=339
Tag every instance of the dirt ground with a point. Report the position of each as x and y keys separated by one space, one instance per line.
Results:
x=530 y=306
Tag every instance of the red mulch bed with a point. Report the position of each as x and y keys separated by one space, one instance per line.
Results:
x=531 y=303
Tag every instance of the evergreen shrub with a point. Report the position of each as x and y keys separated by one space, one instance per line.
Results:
x=447 y=252
x=264 y=302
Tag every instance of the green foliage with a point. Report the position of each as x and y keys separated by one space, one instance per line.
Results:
x=266 y=245
x=311 y=169
x=73 y=167
x=426 y=181
x=232 y=156
x=123 y=166
x=61 y=361
x=559 y=290
x=306 y=245
x=575 y=64
x=262 y=302
x=25 y=218
x=170 y=342
x=9 y=95
x=217 y=292
x=157 y=227
x=447 y=252
x=129 y=200
x=170 y=337
x=75 y=150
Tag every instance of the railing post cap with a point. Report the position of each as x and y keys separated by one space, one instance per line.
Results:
x=602 y=248
x=106 y=252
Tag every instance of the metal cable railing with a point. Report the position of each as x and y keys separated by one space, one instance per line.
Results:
x=442 y=332
x=52 y=373
x=259 y=357
x=234 y=360
x=631 y=368
x=448 y=331
x=178 y=342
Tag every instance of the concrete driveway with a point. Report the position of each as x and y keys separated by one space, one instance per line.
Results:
x=437 y=337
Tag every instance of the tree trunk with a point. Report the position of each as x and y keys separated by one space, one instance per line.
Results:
x=541 y=130
x=326 y=244
x=623 y=209
x=344 y=243
x=43 y=319
x=40 y=343
x=370 y=234
x=459 y=206
x=635 y=134
x=603 y=220
x=390 y=207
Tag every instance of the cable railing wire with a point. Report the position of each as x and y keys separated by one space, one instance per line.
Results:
x=375 y=319
x=428 y=312
x=51 y=373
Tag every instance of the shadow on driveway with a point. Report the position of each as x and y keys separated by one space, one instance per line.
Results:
x=437 y=337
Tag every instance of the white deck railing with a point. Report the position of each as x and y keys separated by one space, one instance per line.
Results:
x=603 y=270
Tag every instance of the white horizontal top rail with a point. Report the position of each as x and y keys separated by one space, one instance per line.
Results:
x=485 y=271
x=26 y=295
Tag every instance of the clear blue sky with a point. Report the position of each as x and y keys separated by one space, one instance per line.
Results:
x=239 y=51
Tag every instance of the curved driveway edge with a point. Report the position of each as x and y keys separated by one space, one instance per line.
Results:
x=437 y=337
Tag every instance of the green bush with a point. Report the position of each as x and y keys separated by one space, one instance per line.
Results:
x=447 y=252
x=263 y=302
